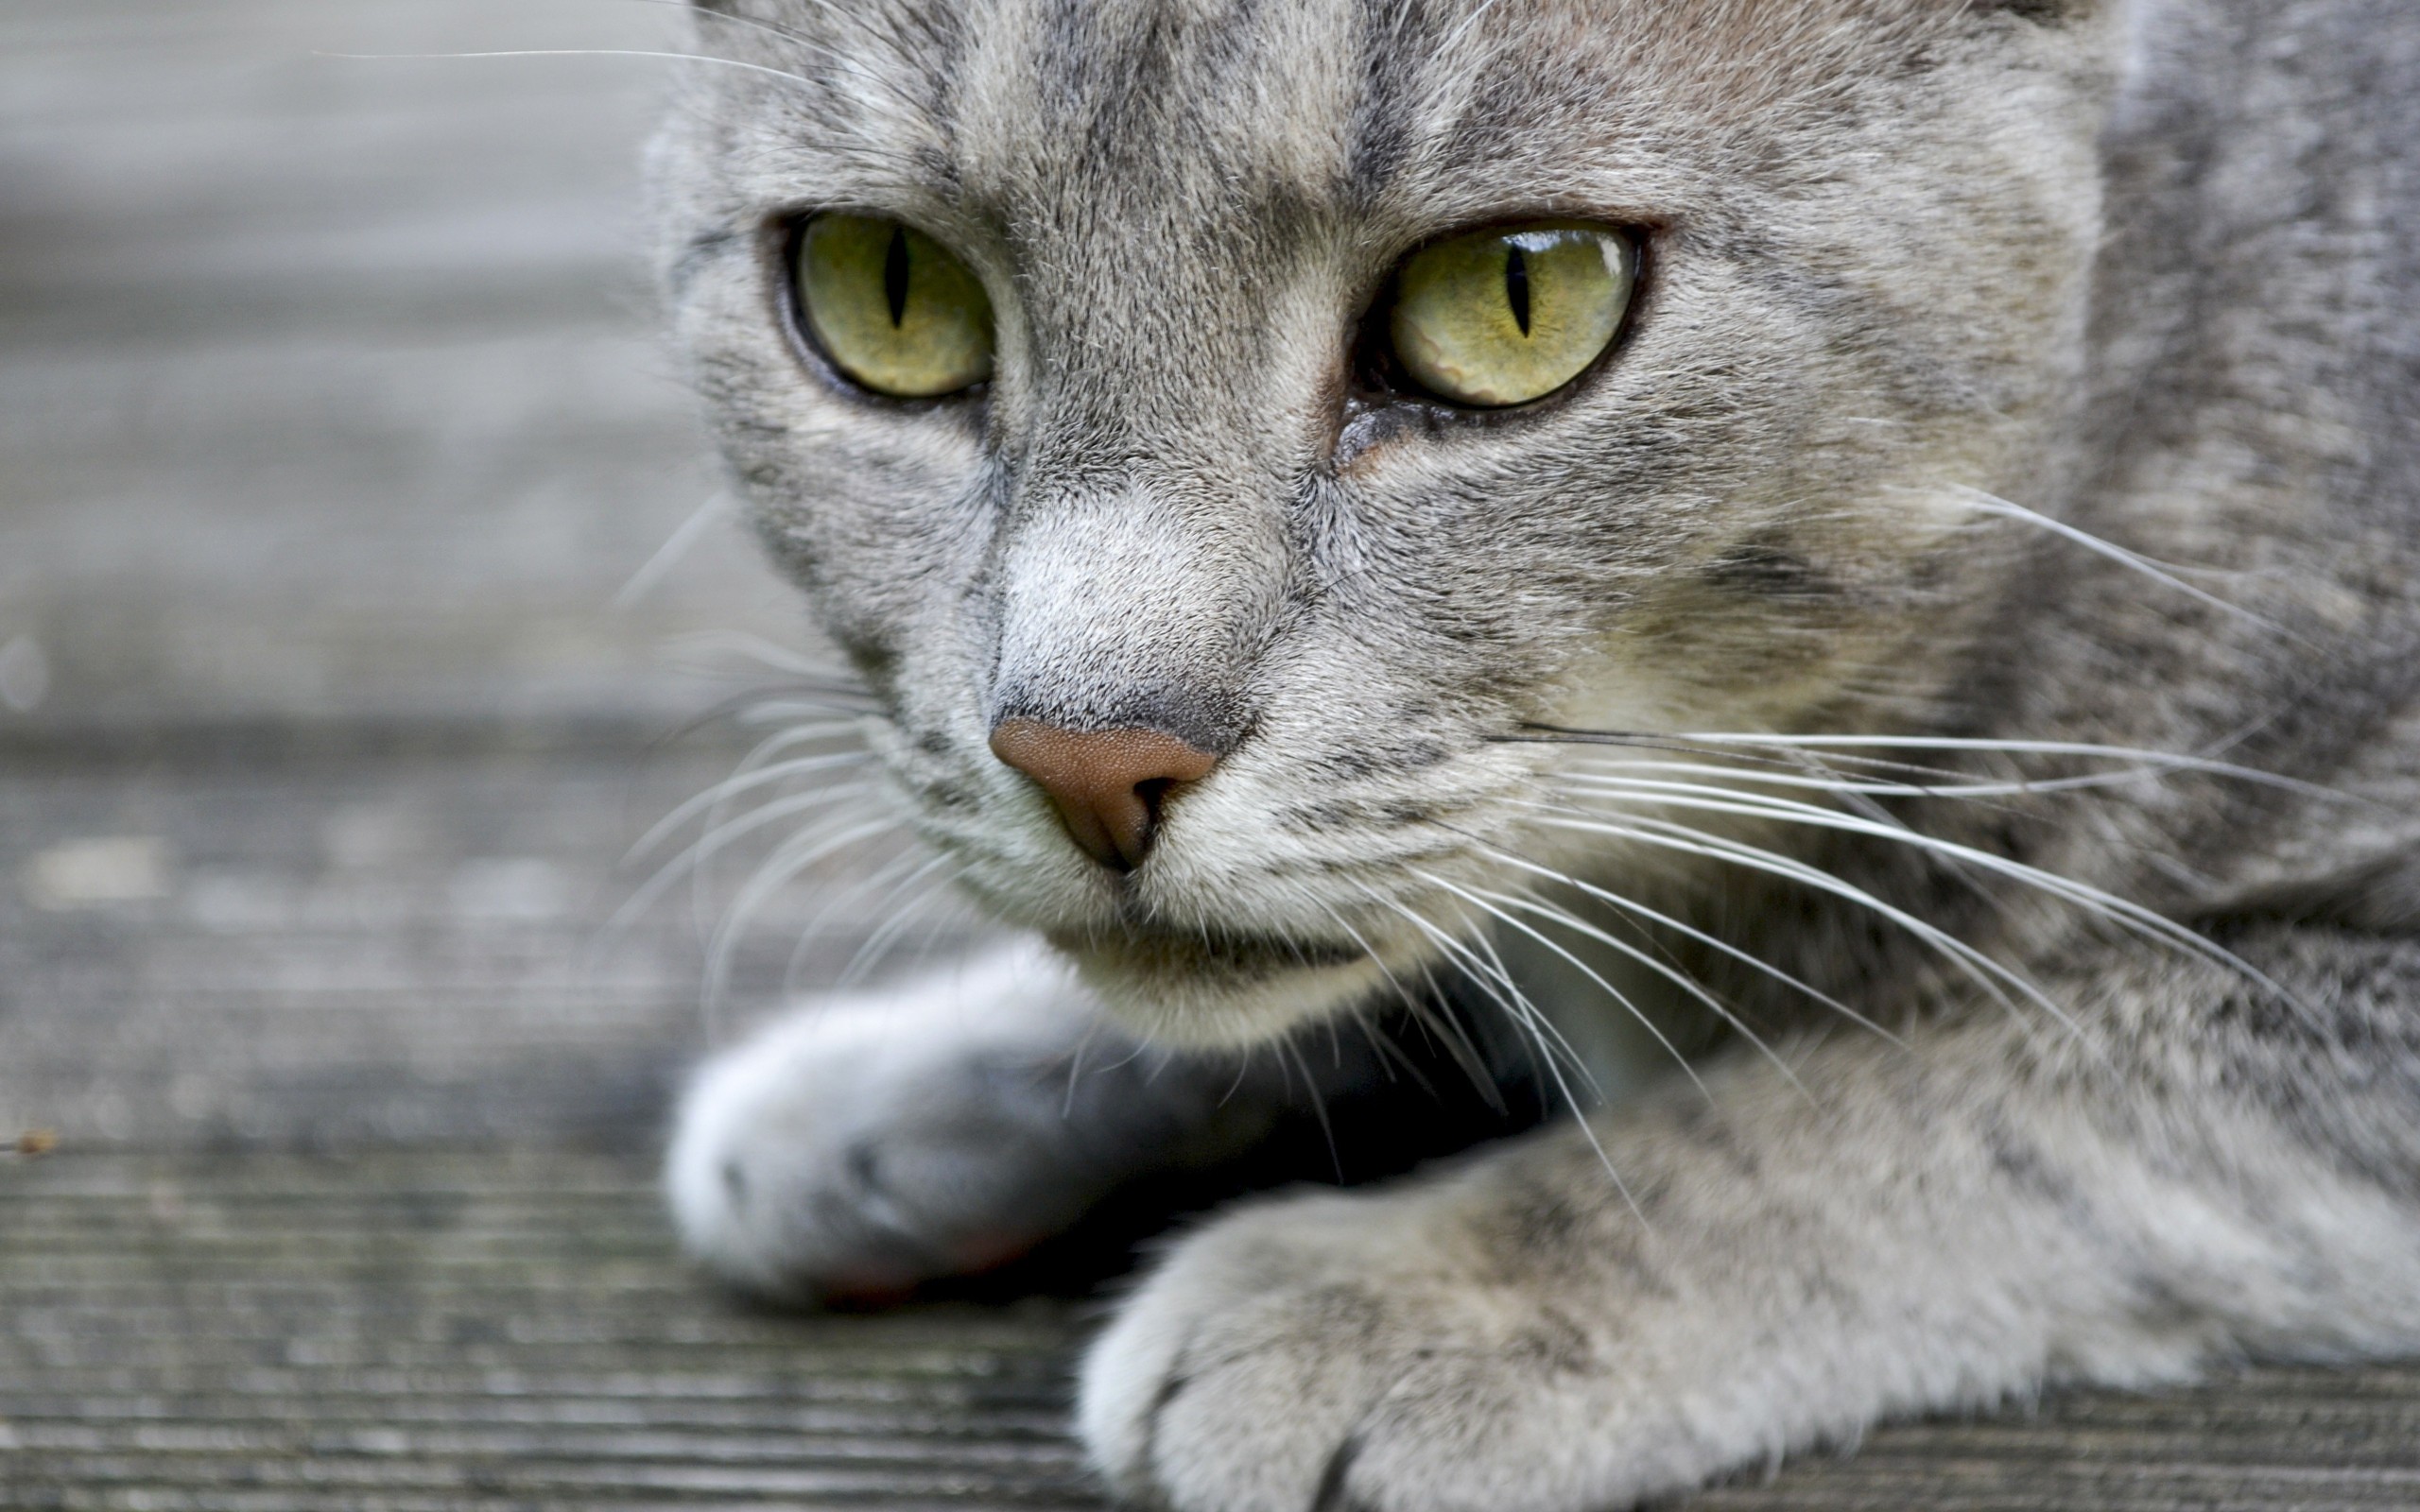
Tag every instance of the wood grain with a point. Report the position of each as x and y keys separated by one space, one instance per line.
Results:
x=330 y=387
x=409 y=1331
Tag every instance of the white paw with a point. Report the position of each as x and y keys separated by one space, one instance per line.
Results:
x=869 y=1144
x=1338 y=1352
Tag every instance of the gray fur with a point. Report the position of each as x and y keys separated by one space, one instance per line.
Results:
x=1947 y=307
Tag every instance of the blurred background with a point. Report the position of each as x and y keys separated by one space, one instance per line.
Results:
x=358 y=551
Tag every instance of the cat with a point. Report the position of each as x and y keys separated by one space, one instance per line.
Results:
x=1864 y=547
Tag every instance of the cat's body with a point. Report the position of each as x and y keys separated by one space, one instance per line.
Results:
x=1939 y=301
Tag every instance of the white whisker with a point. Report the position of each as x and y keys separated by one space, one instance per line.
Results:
x=1525 y=1014
x=668 y=556
x=1498 y=910
x=1877 y=787
x=1318 y=1103
x=795 y=732
x=770 y=654
x=778 y=871
x=1993 y=504
x=877 y=944
x=1630 y=905
x=575 y=52
x=1528 y=1017
x=2155 y=759
x=1664 y=969
x=791 y=709
x=690 y=861
x=1458 y=1041
x=1390 y=1054
x=1794 y=760
x=886 y=879
x=731 y=788
x=1706 y=797
x=1985 y=973
x=1497 y=983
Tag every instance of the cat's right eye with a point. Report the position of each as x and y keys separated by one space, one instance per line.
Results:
x=1493 y=318
x=892 y=308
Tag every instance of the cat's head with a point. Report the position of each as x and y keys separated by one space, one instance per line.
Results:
x=1247 y=414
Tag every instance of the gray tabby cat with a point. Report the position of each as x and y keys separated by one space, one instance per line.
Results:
x=1959 y=462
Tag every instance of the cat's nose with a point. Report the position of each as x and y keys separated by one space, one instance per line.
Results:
x=1106 y=783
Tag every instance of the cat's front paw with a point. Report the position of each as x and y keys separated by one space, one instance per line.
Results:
x=1372 y=1353
x=868 y=1144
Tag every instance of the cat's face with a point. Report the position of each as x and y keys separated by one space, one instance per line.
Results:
x=1198 y=494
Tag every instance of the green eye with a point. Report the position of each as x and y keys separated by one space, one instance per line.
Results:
x=892 y=308
x=1504 y=316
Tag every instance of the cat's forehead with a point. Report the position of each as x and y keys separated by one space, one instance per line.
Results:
x=1015 y=110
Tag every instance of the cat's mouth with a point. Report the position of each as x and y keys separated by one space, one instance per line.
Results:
x=1209 y=955
x=1214 y=987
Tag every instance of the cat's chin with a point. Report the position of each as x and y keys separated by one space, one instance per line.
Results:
x=1219 y=992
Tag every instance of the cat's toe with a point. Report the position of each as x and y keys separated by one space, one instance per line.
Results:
x=862 y=1149
x=1233 y=1380
x=1339 y=1352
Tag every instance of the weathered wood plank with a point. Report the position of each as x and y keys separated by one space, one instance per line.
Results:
x=469 y=1330
x=465 y=1331
x=408 y=951
x=330 y=390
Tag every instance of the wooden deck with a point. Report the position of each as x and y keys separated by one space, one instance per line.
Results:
x=423 y=1331
x=333 y=438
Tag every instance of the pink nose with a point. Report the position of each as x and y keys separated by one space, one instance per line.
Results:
x=1106 y=783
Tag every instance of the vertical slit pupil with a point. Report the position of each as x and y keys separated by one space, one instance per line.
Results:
x=1516 y=287
x=894 y=276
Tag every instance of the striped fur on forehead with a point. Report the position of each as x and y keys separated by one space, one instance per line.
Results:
x=1141 y=102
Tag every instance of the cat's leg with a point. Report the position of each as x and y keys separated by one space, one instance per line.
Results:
x=870 y=1143
x=1987 y=1209
x=867 y=1142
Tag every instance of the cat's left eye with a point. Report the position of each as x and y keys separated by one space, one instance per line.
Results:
x=894 y=310
x=1496 y=318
